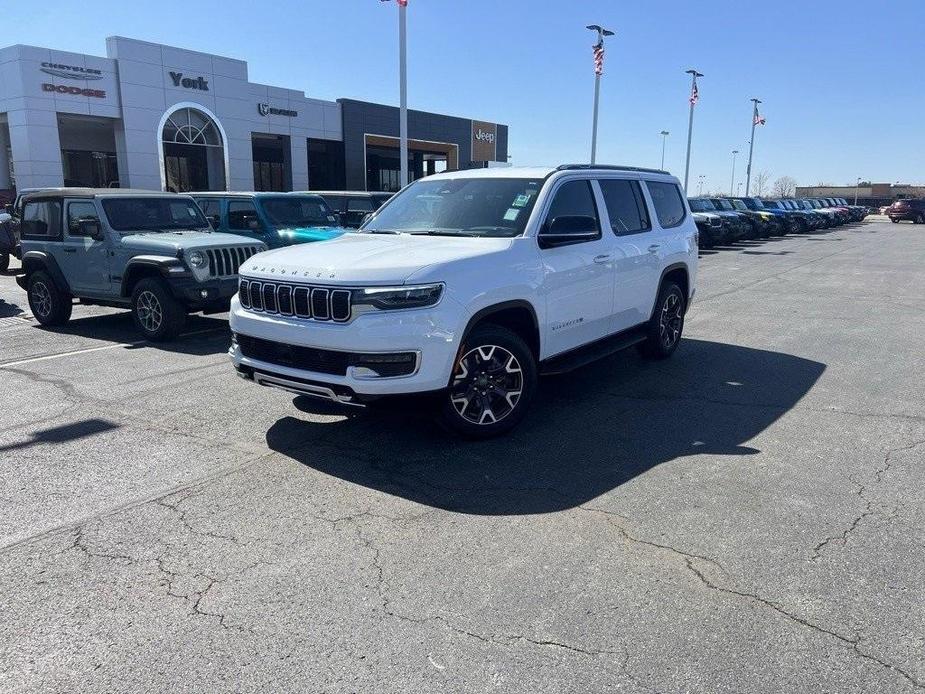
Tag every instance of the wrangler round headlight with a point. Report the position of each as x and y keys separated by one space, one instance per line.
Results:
x=196 y=259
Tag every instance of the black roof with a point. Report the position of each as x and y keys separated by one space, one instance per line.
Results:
x=608 y=167
x=73 y=192
x=356 y=193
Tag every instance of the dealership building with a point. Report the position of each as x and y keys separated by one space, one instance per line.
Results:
x=163 y=118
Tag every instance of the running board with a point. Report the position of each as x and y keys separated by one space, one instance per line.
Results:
x=583 y=356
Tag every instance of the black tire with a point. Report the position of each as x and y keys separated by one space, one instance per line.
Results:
x=4 y=262
x=894 y=220
x=663 y=333
x=495 y=377
x=157 y=315
x=49 y=304
x=920 y=220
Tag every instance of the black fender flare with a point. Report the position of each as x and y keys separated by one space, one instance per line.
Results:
x=672 y=268
x=161 y=263
x=42 y=260
x=484 y=313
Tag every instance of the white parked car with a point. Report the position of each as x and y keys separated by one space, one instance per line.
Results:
x=466 y=286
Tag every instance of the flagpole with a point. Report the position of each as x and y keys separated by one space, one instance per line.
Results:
x=751 y=148
x=403 y=93
x=690 y=126
x=733 y=183
x=601 y=33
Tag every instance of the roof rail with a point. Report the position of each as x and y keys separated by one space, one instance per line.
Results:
x=608 y=167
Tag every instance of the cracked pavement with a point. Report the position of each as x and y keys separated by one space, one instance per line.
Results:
x=747 y=516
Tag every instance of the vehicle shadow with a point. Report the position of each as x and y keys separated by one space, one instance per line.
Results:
x=202 y=335
x=587 y=433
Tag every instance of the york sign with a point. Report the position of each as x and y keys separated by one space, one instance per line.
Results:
x=199 y=83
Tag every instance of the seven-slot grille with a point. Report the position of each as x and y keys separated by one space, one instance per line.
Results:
x=224 y=262
x=301 y=301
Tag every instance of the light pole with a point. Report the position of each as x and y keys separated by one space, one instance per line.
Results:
x=751 y=147
x=733 y=181
x=700 y=180
x=598 y=71
x=403 y=91
x=739 y=189
x=856 y=186
x=664 y=135
x=695 y=95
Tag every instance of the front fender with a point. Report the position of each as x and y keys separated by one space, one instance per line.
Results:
x=167 y=266
x=42 y=260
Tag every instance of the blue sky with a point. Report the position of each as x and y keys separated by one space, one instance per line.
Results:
x=841 y=79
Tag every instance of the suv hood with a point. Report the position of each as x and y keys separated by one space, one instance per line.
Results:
x=170 y=242
x=360 y=258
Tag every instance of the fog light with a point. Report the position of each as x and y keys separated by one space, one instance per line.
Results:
x=383 y=365
x=204 y=293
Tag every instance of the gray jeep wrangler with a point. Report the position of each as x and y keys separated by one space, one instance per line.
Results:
x=154 y=253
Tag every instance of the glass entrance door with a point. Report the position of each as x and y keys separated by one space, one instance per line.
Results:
x=185 y=167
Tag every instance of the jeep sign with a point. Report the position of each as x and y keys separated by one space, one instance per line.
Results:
x=484 y=141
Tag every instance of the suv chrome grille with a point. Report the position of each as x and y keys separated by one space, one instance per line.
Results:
x=314 y=303
x=225 y=262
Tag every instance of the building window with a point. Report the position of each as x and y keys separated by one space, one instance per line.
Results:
x=326 y=170
x=90 y=169
x=193 y=152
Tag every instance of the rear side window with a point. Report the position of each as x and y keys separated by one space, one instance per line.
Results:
x=669 y=205
x=359 y=204
x=209 y=206
x=240 y=214
x=625 y=206
x=335 y=202
x=42 y=220
x=574 y=198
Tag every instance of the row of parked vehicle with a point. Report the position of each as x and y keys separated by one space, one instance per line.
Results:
x=724 y=220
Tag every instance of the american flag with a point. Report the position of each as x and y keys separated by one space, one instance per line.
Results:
x=695 y=94
x=402 y=3
x=759 y=119
x=599 y=58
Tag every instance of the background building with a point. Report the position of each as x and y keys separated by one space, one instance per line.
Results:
x=163 y=118
x=872 y=194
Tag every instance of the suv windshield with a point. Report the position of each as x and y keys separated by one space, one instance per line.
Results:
x=739 y=205
x=291 y=211
x=459 y=207
x=700 y=205
x=771 y=204
x=723 y=205
x=154 y=214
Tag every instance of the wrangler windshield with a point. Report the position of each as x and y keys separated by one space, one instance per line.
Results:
x=700 y=205
x=154 y=214
x=302 y=211
x=459 y=207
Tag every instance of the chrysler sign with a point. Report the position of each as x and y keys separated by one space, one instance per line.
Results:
x=71 y=72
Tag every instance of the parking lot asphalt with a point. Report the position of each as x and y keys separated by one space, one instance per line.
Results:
x=746 y=517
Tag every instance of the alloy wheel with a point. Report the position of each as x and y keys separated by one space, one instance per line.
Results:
x=487 y=385
x=150 y=313
x=41 y=299
x=669 y=324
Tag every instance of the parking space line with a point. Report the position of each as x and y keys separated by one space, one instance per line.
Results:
x=87 y=350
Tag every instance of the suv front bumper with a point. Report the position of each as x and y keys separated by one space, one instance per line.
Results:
x=214 y=293
x=430 y=333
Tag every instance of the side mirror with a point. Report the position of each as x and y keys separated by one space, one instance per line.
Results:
x=214 y=220
x=569 y=229
x=91 y=228
x=8 y=208
x=366 y=218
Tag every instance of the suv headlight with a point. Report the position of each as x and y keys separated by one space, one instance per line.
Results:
x=392 y=298
x=196 y=259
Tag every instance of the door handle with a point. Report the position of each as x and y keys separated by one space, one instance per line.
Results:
x=70 y=250
x=654 y=247
x=603 y=258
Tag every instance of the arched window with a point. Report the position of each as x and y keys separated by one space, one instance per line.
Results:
x=187 y=126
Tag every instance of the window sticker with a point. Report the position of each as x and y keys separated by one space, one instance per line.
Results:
x=521 y=200
x=511 y=214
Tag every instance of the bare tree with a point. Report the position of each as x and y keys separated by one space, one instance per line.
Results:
x=784 y=187
x=762 y=178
